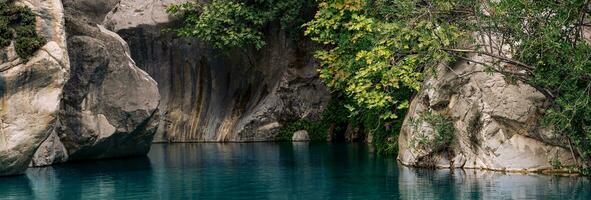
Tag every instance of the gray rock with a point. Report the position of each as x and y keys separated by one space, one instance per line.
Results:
x=109 y=108
x=300 y=136
x=129 y=14
x=207 y=95
x=496 y=123
x=30 y=91
x=93 y=11
x=51 y=151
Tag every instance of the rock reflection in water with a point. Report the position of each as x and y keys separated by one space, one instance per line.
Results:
x=276 y=171
x=480 y=184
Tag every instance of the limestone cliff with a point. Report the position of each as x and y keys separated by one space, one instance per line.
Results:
x=209 y=95
x=494 y=124
x=78 y=97
x=117 y=80
x=109 y=107
x=31 y=90
x=496 y=120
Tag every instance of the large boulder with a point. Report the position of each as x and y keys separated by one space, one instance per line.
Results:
x=493 y=124
x=212 y=96
x=31 y=90
x=109 y=108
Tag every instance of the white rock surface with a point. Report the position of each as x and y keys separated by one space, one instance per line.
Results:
x=134 y=13
x=30 y=91
x=109 y=106
x=496 y=123
x=300 y=136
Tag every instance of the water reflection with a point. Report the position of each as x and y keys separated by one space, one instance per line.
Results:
x=17 y=187
x=276 y=171
x=104 y=179
x=478 y=184
x=269 y=171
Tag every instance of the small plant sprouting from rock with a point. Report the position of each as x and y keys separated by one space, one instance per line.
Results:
x=17 y=23
x=556 y=164
x=440 y=137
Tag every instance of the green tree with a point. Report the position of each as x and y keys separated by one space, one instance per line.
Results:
x=377 y=52
x=373 y=52
x=547 y=43
x=237 y=23
x=18 y=23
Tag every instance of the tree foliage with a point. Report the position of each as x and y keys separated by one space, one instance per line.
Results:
x=373 y=52
x=17 y=23
x=377 y=52
x=548 y=38
x=237 y=23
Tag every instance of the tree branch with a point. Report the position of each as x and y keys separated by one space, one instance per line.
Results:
x=502 y=58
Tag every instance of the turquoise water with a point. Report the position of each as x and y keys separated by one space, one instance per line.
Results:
x=276 y=171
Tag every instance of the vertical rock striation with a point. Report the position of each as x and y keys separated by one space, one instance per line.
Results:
x=31 y=90
x=208 y=95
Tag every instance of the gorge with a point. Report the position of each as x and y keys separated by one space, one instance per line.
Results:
x=112 y=80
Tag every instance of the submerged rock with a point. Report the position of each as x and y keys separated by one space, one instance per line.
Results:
x=300 y=136
x=31 y=90
x=494 y=124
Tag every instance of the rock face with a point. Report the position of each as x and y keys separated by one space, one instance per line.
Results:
x=109 y=107
x=208 y=95
x=31 y=91
x=494 y=124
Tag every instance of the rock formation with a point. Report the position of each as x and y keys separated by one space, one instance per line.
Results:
x=300 y=136
x=209 y=95
x=85 y=96
x=31 y=90
x=494 y=124
x=109 y=108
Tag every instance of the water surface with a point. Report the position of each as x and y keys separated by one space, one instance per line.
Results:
x=276 y=171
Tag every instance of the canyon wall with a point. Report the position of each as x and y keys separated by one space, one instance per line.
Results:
x=220 y=95
x=31 y=90
x=109 y=82
x=80 y=96
x=91 y=100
